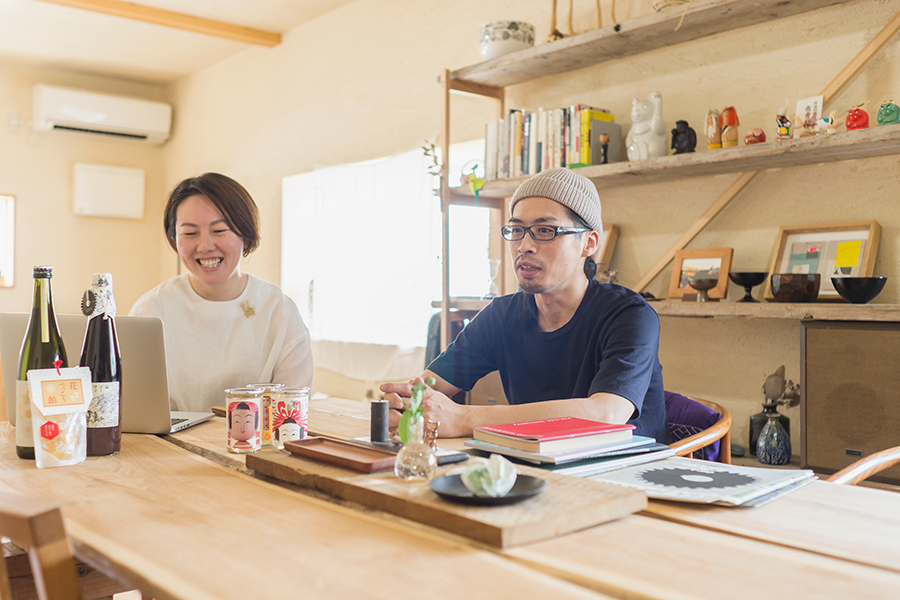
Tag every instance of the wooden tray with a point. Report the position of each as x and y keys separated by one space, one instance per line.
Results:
x=342 y=454
x=566 y=505
x=219 y=411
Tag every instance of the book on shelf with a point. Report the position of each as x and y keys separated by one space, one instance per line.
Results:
x=636 y=445
x=528 y=142
x=690 y=480
x=553 y=435
x=588 y=115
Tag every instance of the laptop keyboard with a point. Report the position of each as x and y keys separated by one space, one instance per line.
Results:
x=176 y=421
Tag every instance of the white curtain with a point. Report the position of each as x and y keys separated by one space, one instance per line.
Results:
x=361 y=248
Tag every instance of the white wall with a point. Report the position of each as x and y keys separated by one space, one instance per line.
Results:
x=37 y=168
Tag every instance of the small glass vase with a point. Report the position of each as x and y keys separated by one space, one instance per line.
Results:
x=774 y=444
x=416 y=460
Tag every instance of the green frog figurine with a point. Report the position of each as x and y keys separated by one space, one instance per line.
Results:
x=888 y=114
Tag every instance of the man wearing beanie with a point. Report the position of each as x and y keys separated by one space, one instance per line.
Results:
x=565 y=344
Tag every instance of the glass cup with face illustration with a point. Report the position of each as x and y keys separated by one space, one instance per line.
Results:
x=290 y=415
x=244 y=412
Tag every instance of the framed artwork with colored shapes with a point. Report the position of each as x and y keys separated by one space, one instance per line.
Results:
x=833 y=250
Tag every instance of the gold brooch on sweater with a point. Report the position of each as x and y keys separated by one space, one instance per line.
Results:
x=248 y=310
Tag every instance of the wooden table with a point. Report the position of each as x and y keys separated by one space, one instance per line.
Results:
x=175 y=524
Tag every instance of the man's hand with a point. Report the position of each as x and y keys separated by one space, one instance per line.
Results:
x=436 y=407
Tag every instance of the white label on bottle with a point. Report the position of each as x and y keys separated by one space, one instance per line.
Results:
x=24 y=435
x=104 y=409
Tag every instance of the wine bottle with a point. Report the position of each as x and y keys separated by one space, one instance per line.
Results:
x=101 y=353
x=42 y=348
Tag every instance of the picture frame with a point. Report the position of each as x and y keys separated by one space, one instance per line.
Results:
x=715 y=261
x=604 y=253
x=821 y=248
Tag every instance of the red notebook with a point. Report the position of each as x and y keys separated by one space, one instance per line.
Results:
x=553 y=435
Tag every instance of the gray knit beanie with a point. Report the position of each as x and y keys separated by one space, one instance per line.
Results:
x=569 y=189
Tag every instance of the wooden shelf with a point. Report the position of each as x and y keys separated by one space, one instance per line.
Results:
x=823 y=148
x=818 y=311
x=702 y=18
x=460 y=196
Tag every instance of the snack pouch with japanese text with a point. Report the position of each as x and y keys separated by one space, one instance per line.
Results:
x=59 y=403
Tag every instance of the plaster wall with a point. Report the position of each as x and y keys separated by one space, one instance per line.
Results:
x=36 y=167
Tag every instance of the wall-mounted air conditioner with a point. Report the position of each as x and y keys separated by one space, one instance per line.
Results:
x=56 y=108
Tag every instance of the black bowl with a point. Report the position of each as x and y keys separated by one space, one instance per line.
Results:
x=858 y=290
x=795 y=287
x=748 y=278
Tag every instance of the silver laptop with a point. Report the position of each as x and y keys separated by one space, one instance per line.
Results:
x=145 y=392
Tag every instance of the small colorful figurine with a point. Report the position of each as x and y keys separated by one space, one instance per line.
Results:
x=832 y=123
x=755 y=136
x=888 y=114
x=647 y=136
x=684 y=138
x=857 y=118
x=782 y=126
x=730 y=124
x=713 y=130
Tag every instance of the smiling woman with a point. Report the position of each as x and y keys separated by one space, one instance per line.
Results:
x=223 y=328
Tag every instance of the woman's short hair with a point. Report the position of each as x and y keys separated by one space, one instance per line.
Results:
x=227 y=195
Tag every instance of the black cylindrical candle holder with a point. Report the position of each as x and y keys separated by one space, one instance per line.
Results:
x=378 y=430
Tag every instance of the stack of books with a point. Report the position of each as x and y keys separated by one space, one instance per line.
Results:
x=528 y=142
x=570 y=446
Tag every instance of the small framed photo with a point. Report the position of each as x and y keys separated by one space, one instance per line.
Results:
x=708 y=262
x=834 y=250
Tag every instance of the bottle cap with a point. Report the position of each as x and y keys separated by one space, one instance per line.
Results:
x=44 y=272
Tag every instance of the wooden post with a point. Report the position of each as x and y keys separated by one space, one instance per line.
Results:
x=445 y=210
x=836 y=84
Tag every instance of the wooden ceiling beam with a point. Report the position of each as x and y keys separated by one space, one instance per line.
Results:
x=168 y=18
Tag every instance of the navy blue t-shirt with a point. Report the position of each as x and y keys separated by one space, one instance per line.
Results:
x=610 y=344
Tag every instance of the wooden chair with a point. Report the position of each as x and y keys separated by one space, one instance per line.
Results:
x=719 y=430
x=867 y=466
x=37 y=525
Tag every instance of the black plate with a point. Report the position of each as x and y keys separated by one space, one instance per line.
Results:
x=450 y=487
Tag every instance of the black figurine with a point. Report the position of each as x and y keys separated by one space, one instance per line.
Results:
x=684 y=139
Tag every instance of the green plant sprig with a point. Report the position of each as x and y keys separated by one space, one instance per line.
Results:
x=412 y=413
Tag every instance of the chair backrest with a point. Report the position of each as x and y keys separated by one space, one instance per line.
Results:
x=867 y=466
x=37 y=526
x=698 y=428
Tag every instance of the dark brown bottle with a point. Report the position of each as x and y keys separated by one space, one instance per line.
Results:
x=42 y=348
x=101 y=353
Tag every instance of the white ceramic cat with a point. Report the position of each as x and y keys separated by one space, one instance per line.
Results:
x=647 y=136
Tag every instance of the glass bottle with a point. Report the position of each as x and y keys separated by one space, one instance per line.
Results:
x=416 y=460
x=42 y=348
x=774 y=444
x=100 y=352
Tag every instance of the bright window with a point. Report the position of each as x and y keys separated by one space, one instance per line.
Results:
x=361 y=248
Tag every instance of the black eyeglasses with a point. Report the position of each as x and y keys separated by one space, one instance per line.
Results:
x=543 y=233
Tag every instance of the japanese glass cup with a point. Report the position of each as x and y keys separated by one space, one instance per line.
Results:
x=290 y=410
x=268 y=392
x=243 y=407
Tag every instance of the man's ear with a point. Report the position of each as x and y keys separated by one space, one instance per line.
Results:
x=591 y=243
